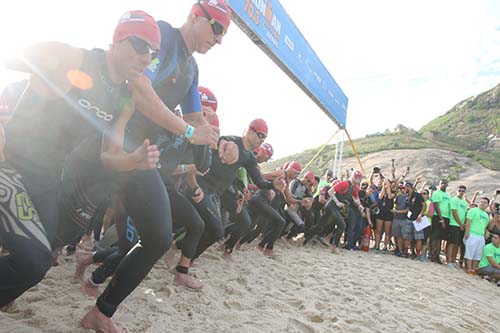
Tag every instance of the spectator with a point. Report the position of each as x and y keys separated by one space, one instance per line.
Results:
x=475 y=229
x=490 y=262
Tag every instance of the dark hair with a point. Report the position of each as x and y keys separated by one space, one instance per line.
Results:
x=433 y=187
x=444 y=181
x=463 y=186
x=317 y=178
x=487 y=199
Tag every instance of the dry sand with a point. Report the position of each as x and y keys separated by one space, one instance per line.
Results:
x=302 y=290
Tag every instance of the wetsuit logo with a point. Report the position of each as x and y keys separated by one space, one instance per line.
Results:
x=130 y=233
x=98 y=112
x=25 y=209
x=154 y=65
x=83 y=214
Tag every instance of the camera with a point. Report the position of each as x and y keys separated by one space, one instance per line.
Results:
x=376 y=169
x=375 y=210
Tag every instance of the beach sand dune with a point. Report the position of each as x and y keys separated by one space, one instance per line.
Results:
x=302 y=290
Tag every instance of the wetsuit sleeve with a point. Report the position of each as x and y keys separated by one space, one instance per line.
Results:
x=202 y=157
x=254 y=173
x=192 y=102
x=293 y=187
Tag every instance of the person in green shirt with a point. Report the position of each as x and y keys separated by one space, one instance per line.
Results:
x=490 y=262
x=326 y=182
x=458 y=207
x=441 y=219
x=476 y=221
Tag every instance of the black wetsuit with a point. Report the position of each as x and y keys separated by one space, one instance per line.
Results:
x=39 y=137
x=143 y=195
x=269 y=222
x=214 y=184
x=332 y=218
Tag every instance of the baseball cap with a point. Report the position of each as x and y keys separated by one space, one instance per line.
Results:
x=140 y=24
x=219 y=10
x=208 y=98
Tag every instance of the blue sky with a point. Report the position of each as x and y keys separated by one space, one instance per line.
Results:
x=397 y=61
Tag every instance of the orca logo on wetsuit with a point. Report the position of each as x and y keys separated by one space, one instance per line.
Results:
x=98 y=112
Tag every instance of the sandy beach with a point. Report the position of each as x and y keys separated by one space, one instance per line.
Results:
x=302 y=290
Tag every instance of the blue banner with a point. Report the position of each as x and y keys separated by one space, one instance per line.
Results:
x=270 y=26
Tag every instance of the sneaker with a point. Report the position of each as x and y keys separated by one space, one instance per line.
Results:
x=397 y=253
x=385 y=251
x=498 y=283
x=421 y=258
x=377 y=251
x=452 y=266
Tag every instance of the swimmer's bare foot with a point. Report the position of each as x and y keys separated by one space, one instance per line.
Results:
x=237 y=246
x=83 y=260
x=221 y=247
x=259 y=248
x=187 y=281
x=97 y=321
x=228 y=256
x=6 y=308
x=55 y=260
x=170 y=256
x=269 y=253
x=86 y=243
x=89 y=288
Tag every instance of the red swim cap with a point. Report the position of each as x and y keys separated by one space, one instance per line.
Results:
x=219 y=10
x=139 y=24
x=207 y=98
x=259 y=125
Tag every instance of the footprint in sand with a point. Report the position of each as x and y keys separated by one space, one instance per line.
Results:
x=321 y=306
x=303 y=327
x=296 y=303
x=315 y=317
x=233 y=305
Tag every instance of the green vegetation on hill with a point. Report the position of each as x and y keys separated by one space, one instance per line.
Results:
x=468 y=129
x=470 y=124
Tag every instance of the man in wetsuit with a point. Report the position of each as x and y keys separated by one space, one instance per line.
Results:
x=170 y=81
x=218 y=180
x=342 y=194
x=72 y=94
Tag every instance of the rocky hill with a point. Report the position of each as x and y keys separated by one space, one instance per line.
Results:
x=463 y=145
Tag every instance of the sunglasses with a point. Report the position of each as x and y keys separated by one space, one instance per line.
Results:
x=260 y=135
x=217 y=28
x=461 y=191
x=141 y=47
